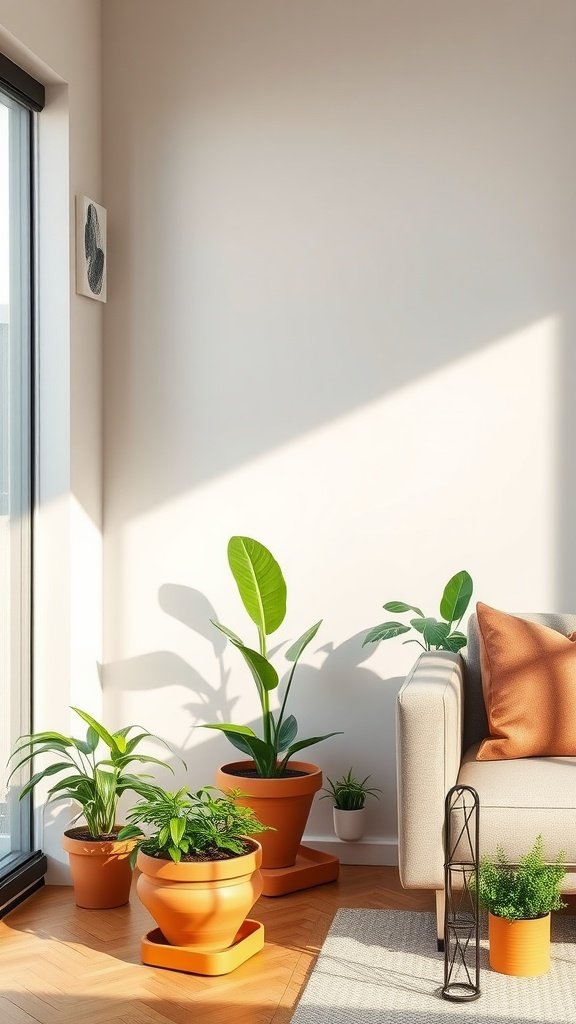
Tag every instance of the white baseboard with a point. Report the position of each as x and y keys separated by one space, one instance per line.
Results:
x=369 y=850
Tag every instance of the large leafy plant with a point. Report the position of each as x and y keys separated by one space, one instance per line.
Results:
x=190 y=823
x=434 y=634
x=519 y=893
x=263 y=592
x=94 y=781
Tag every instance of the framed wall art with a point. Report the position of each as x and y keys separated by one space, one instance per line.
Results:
x=90 y=249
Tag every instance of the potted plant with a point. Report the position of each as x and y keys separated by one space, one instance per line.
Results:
x=434 y=634
x=348 y=795
x=199 y=865
x=99 y=859
x=519 y=900
x=279 y=789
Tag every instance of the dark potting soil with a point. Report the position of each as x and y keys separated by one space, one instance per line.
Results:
x=249 y=773
x=85 y=837
x=205 y=855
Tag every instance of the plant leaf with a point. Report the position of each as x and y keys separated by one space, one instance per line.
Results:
x=400 y=606
x=293 y=653
x=100 y=729
x=130 y=832
x=72 y=783
x=434 y=632
x=385 y=631
x=263 y=755
x=456 y=641
x=49 y=749
x=260 y=582
x=456 y=596
x=177 y=829
x=239 y=742
x=52 y=769
x=309 y=743
x=227 y=632
x=92 y=739
x=264 y=674
x=288 y=732
x=120 y=741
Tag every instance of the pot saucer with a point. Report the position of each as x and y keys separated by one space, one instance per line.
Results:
x=312 y=867
x=156 y=952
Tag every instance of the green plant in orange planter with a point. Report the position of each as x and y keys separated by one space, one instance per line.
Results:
x=279 y=789
x=195 y=843
x=94 y=772
x=263 y=593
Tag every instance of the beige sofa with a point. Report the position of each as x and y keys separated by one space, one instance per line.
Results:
x=440 y=722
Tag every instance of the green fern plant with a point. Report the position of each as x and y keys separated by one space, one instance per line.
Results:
x=528 y=890
x=185 y=823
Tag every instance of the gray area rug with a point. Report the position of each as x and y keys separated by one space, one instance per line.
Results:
x=382 y=967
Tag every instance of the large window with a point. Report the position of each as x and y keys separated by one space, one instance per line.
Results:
x=16 y=467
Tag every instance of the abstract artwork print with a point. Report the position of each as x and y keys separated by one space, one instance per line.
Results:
x=90 y=249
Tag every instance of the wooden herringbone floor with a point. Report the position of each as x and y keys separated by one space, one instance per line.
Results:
x=62 y=965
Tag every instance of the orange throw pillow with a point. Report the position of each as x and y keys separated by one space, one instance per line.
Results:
x=529 y=686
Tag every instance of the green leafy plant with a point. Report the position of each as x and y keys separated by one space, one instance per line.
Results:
x=263 y=593
x=349 y=793
x=520 y=893
x=190 y=824
x=435 y=634
x=93 y=781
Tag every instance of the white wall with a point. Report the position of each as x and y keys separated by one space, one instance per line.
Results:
x=59 y=42
x=340 y=320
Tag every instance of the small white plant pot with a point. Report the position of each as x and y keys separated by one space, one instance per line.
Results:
x=349 y=825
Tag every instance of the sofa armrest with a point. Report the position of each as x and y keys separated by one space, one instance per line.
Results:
x=428 y=752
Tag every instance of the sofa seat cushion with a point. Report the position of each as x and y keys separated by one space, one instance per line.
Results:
x=521 y=798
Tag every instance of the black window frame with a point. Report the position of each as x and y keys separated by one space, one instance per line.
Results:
x=25 y=871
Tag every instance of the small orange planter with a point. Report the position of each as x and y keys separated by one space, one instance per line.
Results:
x=520 y=948
x=200 y=905
x=101 y=872
x=282 y=803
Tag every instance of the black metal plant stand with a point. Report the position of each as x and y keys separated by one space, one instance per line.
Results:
x=461 y=862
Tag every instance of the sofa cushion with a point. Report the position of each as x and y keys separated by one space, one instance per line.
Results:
x=529 y=686
x=521 y=798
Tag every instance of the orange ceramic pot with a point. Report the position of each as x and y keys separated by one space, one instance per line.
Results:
x=101 y=872
x=200 y=905
x=282 y=803
x=520 y=948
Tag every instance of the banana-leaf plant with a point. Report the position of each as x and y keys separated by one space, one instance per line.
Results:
x=434 y=634
x=95 y=770
x=263 y=593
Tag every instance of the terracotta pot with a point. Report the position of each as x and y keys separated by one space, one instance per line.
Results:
x=282 y=803
x=101 y=872
x=520 y=948
x=200 y=905
x=349 y=825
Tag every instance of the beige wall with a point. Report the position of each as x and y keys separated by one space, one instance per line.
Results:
x=59 y=42
x=340 y=319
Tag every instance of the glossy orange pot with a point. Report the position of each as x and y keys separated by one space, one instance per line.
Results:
x=520 y=948
x=282 y=803
x=101 y=872
x=200 y=905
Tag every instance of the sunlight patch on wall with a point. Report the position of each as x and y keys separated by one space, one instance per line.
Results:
x=454 y=471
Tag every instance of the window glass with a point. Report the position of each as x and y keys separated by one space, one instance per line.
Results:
x=15 y=467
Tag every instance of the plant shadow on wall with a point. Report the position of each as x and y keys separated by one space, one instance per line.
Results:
x=157 y=670
x=327 y=697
